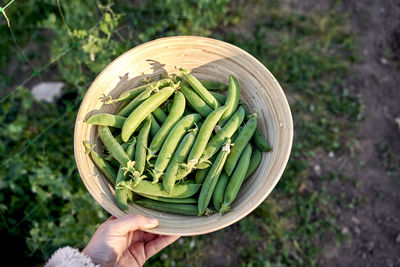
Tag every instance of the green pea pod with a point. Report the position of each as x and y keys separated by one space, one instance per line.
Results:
x=155 y=127
x=201 y=175
x=120 y=107
x=184 y=209
x=160 y=115
x=118 y=138
x=141 y=147
x=212 y=178
x=239 y=144
x=106 y=120
x=122 y=195
x=189 y=200
x=218 y=195
x=213 y=85
x=174 y=116
x=260 y=141
x=220 y=98
x=201 y=141
x=115 y=149
x=144 y=110
x=226 y=132
x=135 y=102
x=182 y=190
x=179 y=156
x=201 y=90
x=171 y=143
x=232 y=101
x=236 y=179
x=255 y=160
x=132 y=93
x=101 y=163
x=195 y=101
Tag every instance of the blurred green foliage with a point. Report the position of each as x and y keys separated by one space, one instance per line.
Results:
x=42 y=197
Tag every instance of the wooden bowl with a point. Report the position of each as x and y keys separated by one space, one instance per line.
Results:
x=207 y=59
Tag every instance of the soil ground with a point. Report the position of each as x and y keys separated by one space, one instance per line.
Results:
x=373 y=224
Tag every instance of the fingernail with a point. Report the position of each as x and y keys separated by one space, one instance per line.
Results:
x=151 y=222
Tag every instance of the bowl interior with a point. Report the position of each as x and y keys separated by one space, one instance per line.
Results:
x=207 y=59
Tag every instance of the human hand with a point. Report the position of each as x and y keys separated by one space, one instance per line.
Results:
x=122 y=241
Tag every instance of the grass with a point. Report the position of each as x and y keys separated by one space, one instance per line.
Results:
x=44 y=202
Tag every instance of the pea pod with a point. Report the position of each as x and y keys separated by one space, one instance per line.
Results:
x=144 y=110
x=226 y=132
x=239 y=144
x=213 y=85
x=201 y=90
x=218 y=195
x=155 y=127
x=113 y=146
x=135 y=102
x=236 y=179
x=212 y=178
x=232 y=100
x=176 y=113
x=141 y=147
x=220 y=98
x=132 y=93
x=201 y=141
x=184 y=209
x=160 y=115
x=182 y=190
x=255 y=160
x=101 y=163
x=179 y=156
x=106 y=120
x=260 y=141
x=122 y=195
x=189 y=200
x=120 y=107
x=195 y=101
x=171 y=143
x=201 y=175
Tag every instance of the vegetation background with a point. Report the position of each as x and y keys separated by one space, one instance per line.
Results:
x=338 y=62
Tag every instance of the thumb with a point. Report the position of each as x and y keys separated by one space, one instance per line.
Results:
x=132 y=222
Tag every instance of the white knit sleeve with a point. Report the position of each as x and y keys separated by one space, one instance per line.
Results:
x=67 y=256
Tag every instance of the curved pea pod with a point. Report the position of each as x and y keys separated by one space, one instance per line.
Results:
x=118 y=138
x=218 y=195
x=141 y=148
x=122 y=195
x=143 y=110
x=120 y=107
x=106 y=120
x=255 y=161
x=130 y=150
x=178 y=107
x=226 y=132
x=182 y=190
x=171 y=143
x=135 y=102
x=201 y=142
x=195 y=101
x=239 y=144
x=189 y=200
x=132 y=93
x=260 y=141
x=160 y=115
x=236 y=179
x=101 y=163
x=212 y=178
x=179 y=156
x=184 y=209
x=200 y=90
x=232 y=100
x=220 y=98
x=155 y=127
x=115 y=149
x=213 y=85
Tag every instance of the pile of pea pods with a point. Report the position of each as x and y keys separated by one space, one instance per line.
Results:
x=179 y=145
